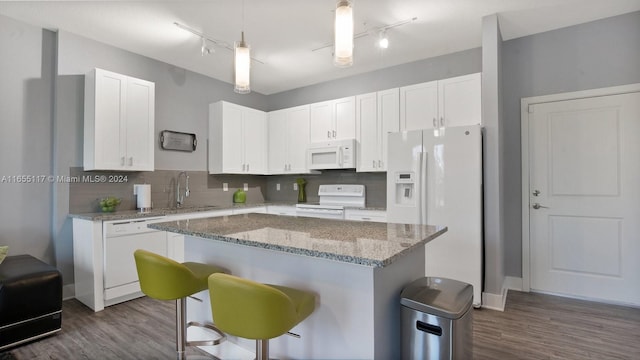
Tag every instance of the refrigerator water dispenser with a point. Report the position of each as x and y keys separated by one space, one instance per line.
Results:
x=405 y=188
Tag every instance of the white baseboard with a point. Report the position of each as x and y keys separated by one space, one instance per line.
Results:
x=513 y=283
x=498 y=301
x=68 y=292
x=494 y=301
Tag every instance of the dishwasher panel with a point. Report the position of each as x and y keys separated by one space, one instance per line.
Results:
x=120 y=241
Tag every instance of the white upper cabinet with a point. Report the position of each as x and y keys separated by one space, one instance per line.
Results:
x=118 y=122
x=449 y=102
x=418 y=106
x=459 y=100
x=333 y=120
x=237 y=139
x=288 y=140
x=377 y=114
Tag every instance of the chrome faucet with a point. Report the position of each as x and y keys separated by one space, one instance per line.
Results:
x=180 y=197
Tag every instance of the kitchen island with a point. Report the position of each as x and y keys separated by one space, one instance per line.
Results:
x=357 y=269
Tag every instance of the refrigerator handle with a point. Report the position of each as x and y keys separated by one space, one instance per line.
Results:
x=424 y=181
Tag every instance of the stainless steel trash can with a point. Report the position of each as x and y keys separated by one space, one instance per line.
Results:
x=436 y=319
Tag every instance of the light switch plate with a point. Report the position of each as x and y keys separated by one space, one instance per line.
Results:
x=246 y=187
x=278 y=187
x=225 y=187
x=295 y=186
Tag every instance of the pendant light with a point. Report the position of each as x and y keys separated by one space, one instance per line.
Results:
x=242 y=63
x=242 y=67
x=343 y=43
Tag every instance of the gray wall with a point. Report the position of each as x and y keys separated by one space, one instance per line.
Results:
x=492 y=156
x=441 y=67
x=592 y=55
x=26 y=100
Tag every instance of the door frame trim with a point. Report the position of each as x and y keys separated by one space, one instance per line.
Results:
x=524 y=139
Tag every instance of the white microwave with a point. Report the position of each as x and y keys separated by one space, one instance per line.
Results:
x=334 y=154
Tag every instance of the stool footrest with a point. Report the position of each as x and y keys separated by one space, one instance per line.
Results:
x=211 y=327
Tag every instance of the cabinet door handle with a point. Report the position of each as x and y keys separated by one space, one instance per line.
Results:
x=442 y=121
x=329 y=134
x=122 y=161
x=131 y=161
x=334 y=134
x=380 y=164
x=435 y=123
x=247 y=167
x=374 y=163
x=244 y=166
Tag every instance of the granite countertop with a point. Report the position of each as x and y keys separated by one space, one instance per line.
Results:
x=365 y=243
x=135 y=214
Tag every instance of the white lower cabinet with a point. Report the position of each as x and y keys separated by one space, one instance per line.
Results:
x=286 y=210
x=104 y=268
x=365 y=215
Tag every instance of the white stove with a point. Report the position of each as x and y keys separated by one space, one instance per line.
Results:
x=333 y=200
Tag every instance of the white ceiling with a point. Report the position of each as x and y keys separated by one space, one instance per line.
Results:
x=283 y=33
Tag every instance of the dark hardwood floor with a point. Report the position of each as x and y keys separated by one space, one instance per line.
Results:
x=533 y=326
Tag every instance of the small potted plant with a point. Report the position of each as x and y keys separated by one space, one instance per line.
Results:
x=109 y=203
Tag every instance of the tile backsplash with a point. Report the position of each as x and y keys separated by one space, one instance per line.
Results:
x=375 y=185
x=207 y=190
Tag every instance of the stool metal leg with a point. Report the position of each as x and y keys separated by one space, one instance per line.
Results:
x=181 y=331
x=181 y=328
x=262 y=349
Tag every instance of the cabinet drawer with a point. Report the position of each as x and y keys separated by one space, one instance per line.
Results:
x=366 y=215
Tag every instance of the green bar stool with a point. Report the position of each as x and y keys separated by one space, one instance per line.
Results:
x=252 y=310
x=165 y=279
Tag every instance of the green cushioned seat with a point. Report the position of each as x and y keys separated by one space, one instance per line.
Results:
x=253 y=310
x=166 y=279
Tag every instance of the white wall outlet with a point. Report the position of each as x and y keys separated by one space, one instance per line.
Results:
x=295 y=186
x=225 y=187
x=246 y=187
x=278 y=187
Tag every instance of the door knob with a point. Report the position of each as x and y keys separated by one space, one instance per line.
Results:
x=536 y=192
x=538 y=206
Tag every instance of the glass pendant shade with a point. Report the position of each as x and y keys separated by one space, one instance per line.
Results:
x=343 y=52
x=242 y=67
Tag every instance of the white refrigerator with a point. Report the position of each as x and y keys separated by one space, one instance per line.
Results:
x=437 y=180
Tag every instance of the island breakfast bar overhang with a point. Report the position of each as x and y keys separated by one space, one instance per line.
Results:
x=358 y=270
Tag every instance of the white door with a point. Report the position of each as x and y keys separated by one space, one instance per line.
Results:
x=584 y=197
